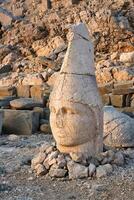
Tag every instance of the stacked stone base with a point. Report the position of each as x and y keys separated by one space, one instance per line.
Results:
x=51 y=162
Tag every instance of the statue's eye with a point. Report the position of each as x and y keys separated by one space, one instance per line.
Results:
x=70 y=111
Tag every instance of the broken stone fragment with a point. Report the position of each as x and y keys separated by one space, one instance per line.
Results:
x=25 y=103
x=1 y=120
x=118 y=159
x=91 y=169
x=20 y=122
x=103 y=170
x=127 y=57
x=76 y=170
x=45 y=128
x=41 y=170
x=118 y=128
x=38 y=160
x=56 y=172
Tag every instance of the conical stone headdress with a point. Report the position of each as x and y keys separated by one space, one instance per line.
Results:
x=76 y=81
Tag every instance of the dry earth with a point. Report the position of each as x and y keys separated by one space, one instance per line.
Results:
x=17 y=182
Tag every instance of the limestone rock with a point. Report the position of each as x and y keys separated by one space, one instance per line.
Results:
x=45 y=128
x=77 y=170
x=32 y=79
x=127 y=57
x=25 y=103
x=118 y=128
x=5 y=101
x=103 y=170
x=38 y=160
x=20 y=122
x=41 y=170
x=56 y=172
x=13 y=137
x=23 y=91
x=91 y=169
x=75 y=96
x=1 y=120
x=119 y=159
x=7 y=91
x=5 y=68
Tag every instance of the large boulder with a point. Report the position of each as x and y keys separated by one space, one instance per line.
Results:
x=118 y=128
x=21 y=122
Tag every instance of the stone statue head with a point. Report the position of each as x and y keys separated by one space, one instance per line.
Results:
x=75 y=105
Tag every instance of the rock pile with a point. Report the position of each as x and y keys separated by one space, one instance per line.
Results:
x=57 y=165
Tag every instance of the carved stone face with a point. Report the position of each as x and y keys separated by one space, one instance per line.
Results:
x=70 y=123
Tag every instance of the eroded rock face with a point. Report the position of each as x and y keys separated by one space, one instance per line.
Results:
x=76 y=117
x=118 y=128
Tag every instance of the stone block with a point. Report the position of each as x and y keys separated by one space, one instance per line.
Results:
x=37 y=92
x=127 y=110
x=5 y=101
x=106 y=99
x=20 y=122
x=1 y=120
x=124 y=85
x=7 y=91
x=105 y=88
x=132 y=101
x=117 y=100
x=23 y=91
x=123 y=91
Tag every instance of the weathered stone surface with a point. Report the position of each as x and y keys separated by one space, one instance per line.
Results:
x=127 y=57
x=123 y=91
x=124 y=85
x=38 y=160
x=106 y=99
x=118 y=159
x=23 y=91
x=91 y=169
x=37 y=92
x=118 y=128
x=7 y=91
x=1 y=120
x=77 y=170
x=103 y=170
x=45 y=128
x=20 y=122
x=25 y=103
x=117 y=100
x=41 y=170
x=56 y=172
x=105 y=88
x=75 y=96
x=5 y=101
x=32 y=79
x=5 y=68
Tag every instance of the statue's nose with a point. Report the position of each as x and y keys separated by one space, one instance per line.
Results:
x=60 y=118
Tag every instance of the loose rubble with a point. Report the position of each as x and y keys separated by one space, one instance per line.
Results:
x=58 y=165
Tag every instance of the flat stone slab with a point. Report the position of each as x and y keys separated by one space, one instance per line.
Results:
x=20 y=122
x=5 y=101
x=25 y=103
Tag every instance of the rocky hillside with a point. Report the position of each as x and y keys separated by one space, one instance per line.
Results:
x=33 y=42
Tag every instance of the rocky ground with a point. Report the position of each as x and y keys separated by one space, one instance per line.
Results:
x=17 y=182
